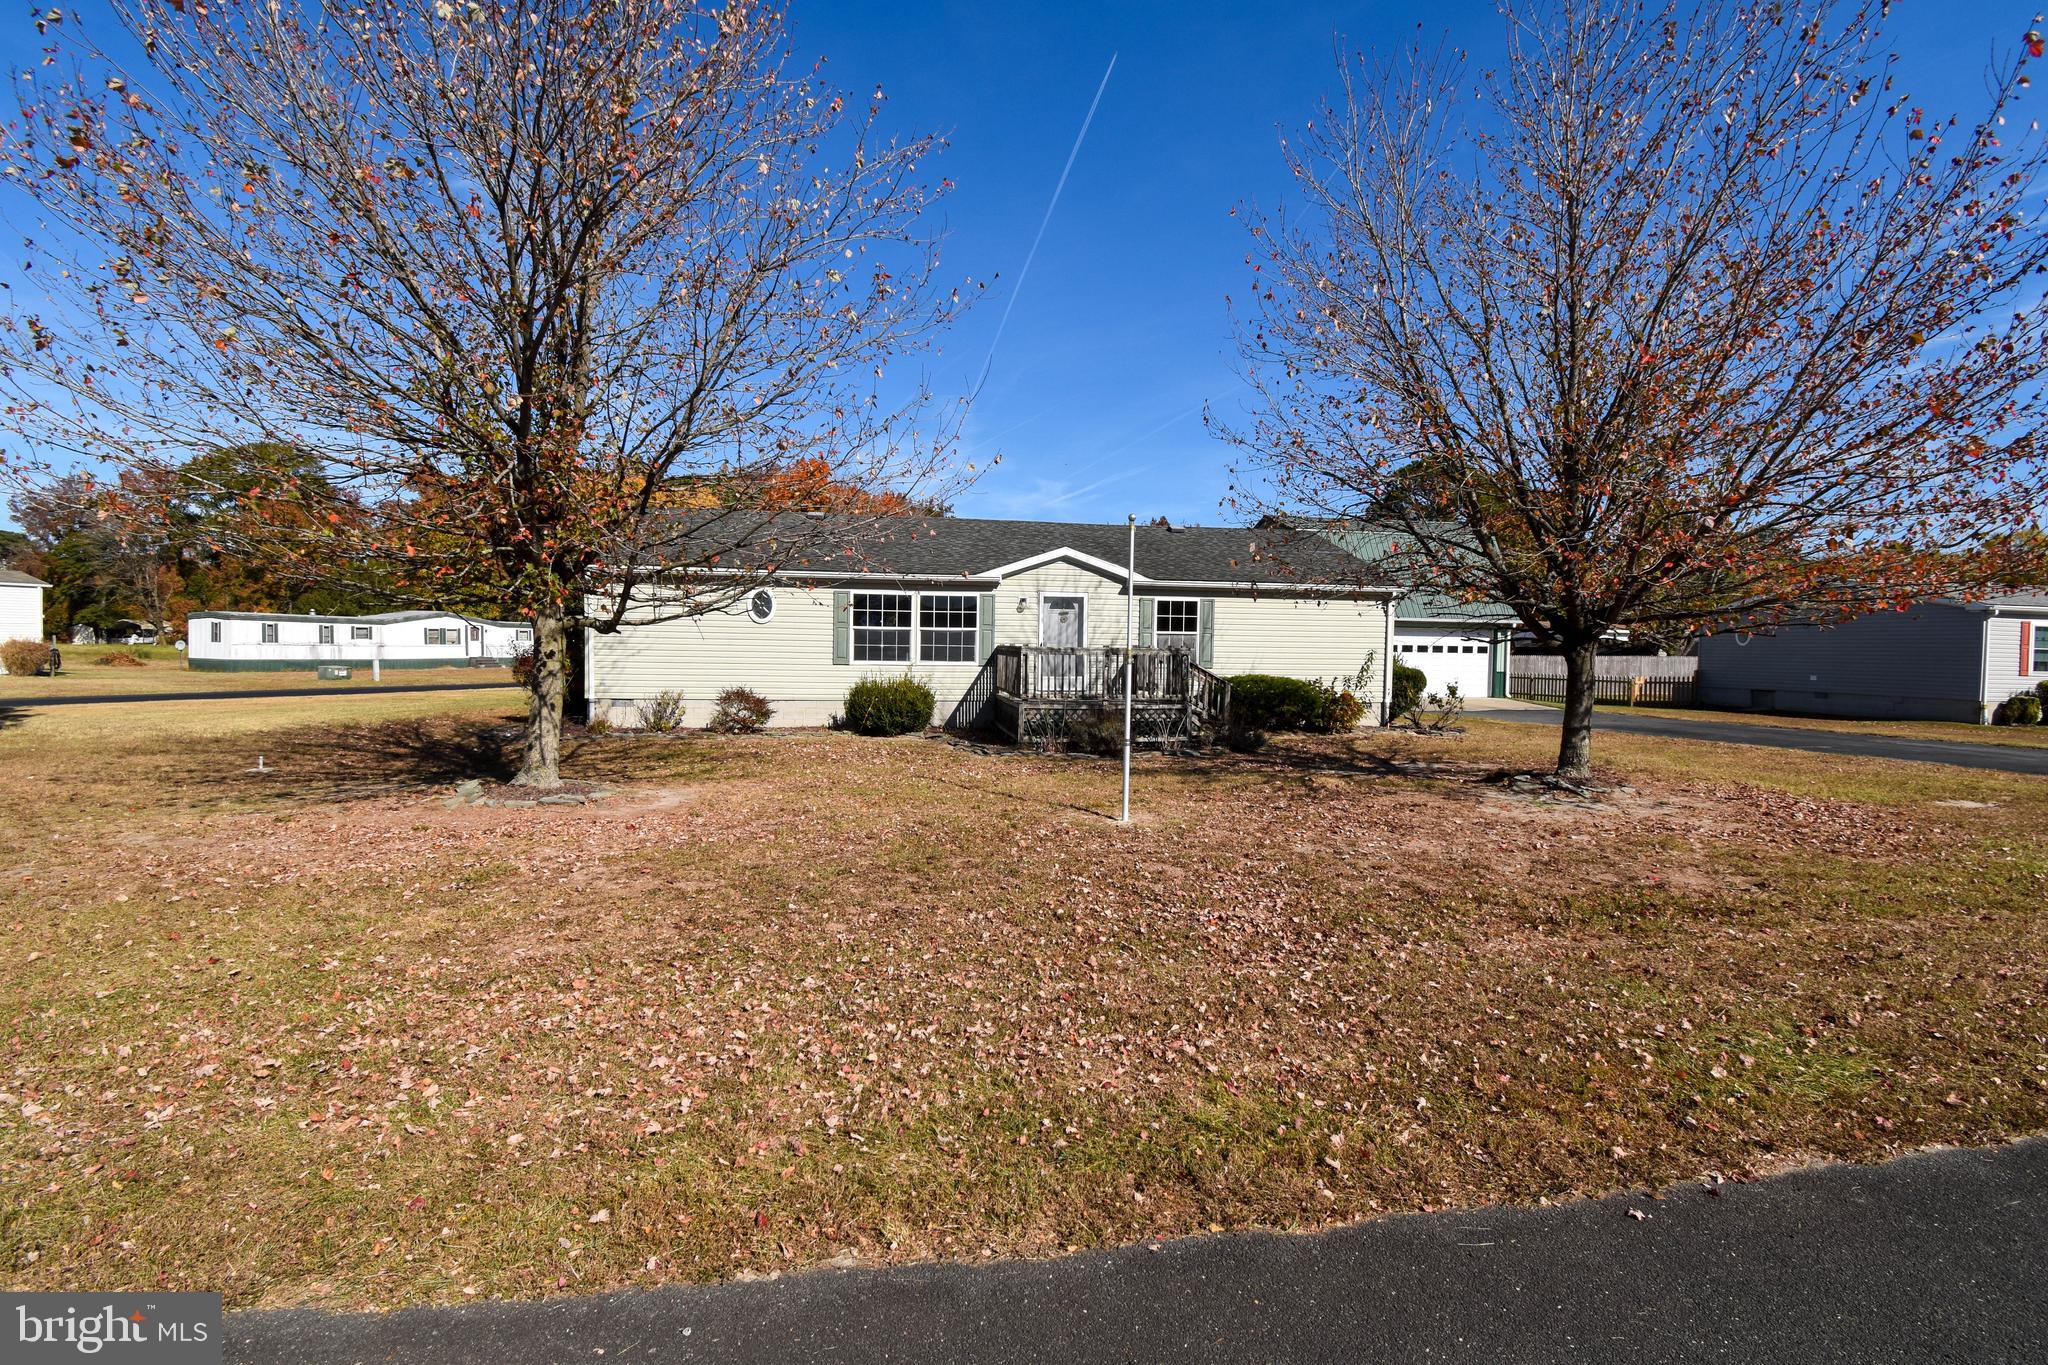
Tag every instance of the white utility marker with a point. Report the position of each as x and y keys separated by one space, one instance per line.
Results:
x=1130 y=657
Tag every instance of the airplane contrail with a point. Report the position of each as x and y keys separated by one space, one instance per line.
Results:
x=1043 y=223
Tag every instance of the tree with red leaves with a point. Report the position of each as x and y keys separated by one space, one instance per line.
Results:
x=513 y=271
x=1684 y=318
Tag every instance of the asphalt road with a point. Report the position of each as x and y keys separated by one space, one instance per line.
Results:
x=343 y=690
x=1961 y=753
x=1935 y=1257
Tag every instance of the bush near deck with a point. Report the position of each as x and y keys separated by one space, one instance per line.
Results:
x=1264 y=701
x=889 y=706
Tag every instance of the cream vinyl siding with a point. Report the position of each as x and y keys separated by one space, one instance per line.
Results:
x=1105 y=624
x=1300 y=637
x=787 y=659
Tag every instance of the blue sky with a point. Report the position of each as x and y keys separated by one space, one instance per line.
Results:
x=1121 y=333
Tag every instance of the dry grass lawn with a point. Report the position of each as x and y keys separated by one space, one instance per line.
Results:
x=318 y=1038
x=162 y=669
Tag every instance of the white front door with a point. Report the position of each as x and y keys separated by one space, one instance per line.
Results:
x=1063 y=624
x=1063 y=621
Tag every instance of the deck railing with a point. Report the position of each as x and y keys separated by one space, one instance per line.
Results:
x=1054 y=675
x=1051 y=671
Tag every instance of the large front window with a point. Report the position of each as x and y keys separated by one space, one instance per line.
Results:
x=881 y=627
x=1177 y=623
x=948 y=628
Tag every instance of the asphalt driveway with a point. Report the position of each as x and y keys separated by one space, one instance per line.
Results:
x=1961 y=753
x=1936 y=1257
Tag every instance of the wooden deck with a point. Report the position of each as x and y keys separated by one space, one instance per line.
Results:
x=1040 y=693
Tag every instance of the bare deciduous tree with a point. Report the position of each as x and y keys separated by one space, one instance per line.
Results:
x=514 y=271
x=1684 y=318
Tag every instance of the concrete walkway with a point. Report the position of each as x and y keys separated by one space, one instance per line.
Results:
x=1474 y=705
x=1935 y=1257
x=2008 y=758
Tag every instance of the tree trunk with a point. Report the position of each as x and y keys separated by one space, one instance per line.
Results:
x=542 y=766
x=1581 y=677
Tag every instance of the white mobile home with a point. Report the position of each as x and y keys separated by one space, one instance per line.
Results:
x=280 y=641
x=21 y=606
x=940 y=597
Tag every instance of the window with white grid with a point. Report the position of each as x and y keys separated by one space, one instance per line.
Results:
x=881 y=627
x=948 y=628
x=1177 y=623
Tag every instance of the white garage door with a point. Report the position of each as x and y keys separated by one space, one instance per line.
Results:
x=1447 y=657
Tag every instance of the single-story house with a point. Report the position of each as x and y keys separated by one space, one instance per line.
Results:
x=1466 y=643
x=940 y=597
x=1940 y=660
x=256 y=641
x=21 y=606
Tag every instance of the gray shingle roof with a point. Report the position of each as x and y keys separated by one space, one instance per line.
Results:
x=17 y=578
x=967 y=547
x=2033 y=599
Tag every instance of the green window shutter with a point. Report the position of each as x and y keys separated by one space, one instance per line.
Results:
x=985 y=613
x=842 y=627
x=1205 y=651
x=1147 y=614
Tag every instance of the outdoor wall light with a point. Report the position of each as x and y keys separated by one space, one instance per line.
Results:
x=1023 y=603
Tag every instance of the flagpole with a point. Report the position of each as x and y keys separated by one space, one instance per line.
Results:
x=1130 y=655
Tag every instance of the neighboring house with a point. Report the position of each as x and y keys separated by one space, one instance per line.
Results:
x=1938 y=660
x=21 y=606
x=939 y=598
x=126 y=631
x=1467 y=643
x=264 y=640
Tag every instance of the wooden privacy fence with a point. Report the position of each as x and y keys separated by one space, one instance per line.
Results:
x=1638 y=679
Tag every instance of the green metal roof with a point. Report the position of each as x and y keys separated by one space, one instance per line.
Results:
x=1384 y=547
